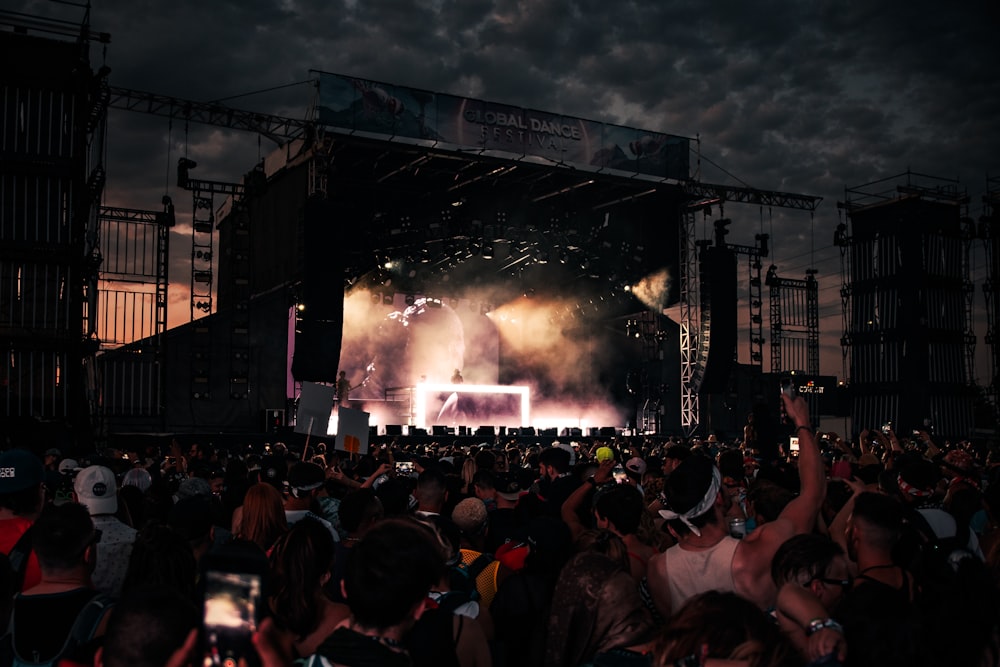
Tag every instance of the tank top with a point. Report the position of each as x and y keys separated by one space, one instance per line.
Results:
x=692 y=572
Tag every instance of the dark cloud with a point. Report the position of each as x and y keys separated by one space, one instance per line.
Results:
x=784 y=95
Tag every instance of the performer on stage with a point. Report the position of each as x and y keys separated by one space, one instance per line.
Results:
x=343 y=388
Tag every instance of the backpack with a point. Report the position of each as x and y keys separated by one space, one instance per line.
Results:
x=462 y=581
x=80 y=633
x=18 y=557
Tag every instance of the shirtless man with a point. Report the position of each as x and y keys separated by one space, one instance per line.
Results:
x=706 y=557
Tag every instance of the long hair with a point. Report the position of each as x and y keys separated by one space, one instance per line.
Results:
x=299 y=560
x=263 y=519
x=730 y=627
x=161 y=559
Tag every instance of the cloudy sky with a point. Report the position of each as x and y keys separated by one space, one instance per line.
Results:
x=802 y=97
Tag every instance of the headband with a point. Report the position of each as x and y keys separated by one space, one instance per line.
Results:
x=701 y=507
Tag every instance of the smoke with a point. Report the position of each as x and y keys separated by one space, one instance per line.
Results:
x=568 y=364
x=654 y=290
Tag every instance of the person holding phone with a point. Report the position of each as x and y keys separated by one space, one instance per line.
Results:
x=706 y=557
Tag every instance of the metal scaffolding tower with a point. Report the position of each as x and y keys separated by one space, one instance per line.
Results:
x=755 y=303
x=989 y=232
x=794 y=311
x=133 y=307
x=52 y=175
x=907 y=297
x=690 y=307
x=693 y=352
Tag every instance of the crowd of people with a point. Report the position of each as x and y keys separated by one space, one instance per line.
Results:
x=881 y=550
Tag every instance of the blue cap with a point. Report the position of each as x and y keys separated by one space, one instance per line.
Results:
x=20 y=470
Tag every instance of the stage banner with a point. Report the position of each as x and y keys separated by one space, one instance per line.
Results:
x=315 y=405
x=352 y=431
x=398 y=112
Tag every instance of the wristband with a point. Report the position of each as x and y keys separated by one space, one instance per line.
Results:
x=807 y=428
x=818 y=624
x=590 y=480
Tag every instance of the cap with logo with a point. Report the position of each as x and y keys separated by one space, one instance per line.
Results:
x=508 y=487
x=96 y=489
x=20 y=470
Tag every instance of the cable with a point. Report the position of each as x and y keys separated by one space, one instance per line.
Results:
x=257 y=92
x=812 y=239
x=170 y=143
x=727 y=173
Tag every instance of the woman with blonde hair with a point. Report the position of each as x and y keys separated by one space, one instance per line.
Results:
x=468 y=472
x=261 y=519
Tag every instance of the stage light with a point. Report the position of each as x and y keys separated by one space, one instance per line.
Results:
x=488 y=251
x=387 y=299
x=376 y=297
x=410 y=299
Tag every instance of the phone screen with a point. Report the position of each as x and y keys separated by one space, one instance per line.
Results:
x=231 y=611
x=793 y=446
x=404 y=467
x=618 y=474
x=788 y=388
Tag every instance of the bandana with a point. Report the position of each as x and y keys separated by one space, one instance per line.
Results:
x=968 y=481
x=700 y=508
x=911 y=490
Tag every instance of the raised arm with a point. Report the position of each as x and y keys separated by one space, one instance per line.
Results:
x=570 y=510
x=804 y=508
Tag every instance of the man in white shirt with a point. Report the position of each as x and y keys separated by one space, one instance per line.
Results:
x=95 y=488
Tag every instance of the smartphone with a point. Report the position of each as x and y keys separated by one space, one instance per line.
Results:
x=404 y=467
x=793 y=446
x=232 y=599
x=789 y=388
x=619 y=474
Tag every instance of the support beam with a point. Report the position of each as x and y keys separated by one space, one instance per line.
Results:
x=724 y=193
